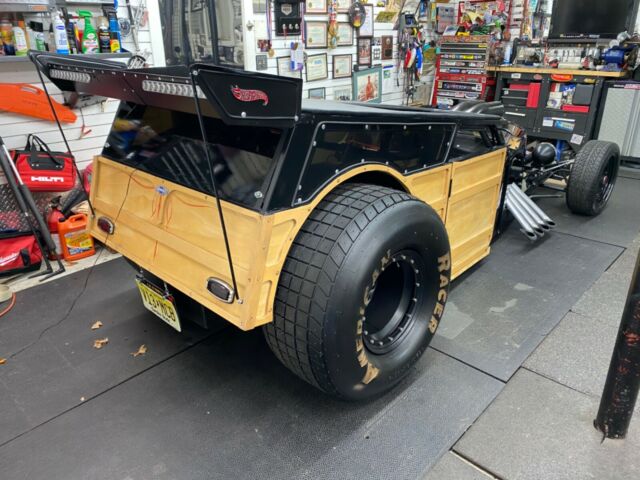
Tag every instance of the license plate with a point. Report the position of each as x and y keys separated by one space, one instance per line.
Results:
x=158 y=303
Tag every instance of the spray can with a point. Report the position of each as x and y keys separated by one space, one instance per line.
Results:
x=104 y=38
x=115 y=41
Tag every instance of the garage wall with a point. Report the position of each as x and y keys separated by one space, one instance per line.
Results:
x=394 y=95
x=97 y=118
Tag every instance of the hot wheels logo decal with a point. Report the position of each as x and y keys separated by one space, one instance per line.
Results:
x=249 y=95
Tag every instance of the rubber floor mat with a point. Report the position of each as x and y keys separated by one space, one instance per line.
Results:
x=501 y=310
x=226 y=409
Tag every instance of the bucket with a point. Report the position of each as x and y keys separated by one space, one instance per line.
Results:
x=74 y=236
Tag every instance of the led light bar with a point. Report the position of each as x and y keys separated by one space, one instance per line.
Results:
x=70 y=76
x=167 y=88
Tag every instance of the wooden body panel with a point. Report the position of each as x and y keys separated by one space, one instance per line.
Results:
x=472 y=208
x=174 y=232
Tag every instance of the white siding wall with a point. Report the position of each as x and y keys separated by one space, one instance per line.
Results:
x=15 y=128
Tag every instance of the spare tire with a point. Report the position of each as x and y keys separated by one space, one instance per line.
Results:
x=593 y=177
x=362 y=291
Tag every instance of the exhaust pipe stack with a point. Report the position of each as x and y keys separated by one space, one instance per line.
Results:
x=533 y=221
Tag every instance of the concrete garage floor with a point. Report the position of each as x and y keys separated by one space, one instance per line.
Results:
x=508 y=389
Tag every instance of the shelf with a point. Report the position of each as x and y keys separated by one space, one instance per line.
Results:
x=106 y=56
x=25 y=6
x=62 y=3
x=12 y=59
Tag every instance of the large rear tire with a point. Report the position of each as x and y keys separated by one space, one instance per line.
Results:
x=362 y=291
x=593 y=177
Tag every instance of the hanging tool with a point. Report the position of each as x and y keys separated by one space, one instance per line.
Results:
x=28 y=207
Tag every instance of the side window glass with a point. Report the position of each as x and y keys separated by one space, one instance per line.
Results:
x=471 y=143
x=406 y=148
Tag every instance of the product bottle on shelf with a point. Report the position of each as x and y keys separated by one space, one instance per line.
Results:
x=50 y=40
x=20 y=39
x=6 y=35
x=89 y=37
x=38 y=35
x=31 y=39
x=115 y=41
x=60 y=34
x=104 y=39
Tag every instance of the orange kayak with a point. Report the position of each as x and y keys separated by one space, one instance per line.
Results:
x=26 y=99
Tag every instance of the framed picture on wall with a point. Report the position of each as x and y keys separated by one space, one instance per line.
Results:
x=284 y=68
x=343 y=5
x=262 y=62
x=387 y=47
x=376 y=53
x=317 y=34
x=367 y=85
x=364 y=52
x=366 y=29
x=342 y=66
x=317 y=67
x=342 y=94
x=316 y=6
x=345 y=34
x=318 y=93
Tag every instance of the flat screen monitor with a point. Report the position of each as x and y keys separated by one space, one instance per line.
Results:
x=591 y=19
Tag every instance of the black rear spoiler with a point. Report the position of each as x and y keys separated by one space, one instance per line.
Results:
x=235 y=96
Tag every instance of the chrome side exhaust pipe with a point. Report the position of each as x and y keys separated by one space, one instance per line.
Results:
x=524 y=205
x=534 y=207
x=528 y=228
x=532 y=219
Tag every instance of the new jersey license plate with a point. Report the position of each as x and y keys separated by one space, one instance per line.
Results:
x=158 y=303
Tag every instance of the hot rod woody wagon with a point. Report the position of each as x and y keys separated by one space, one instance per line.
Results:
x=336 y=227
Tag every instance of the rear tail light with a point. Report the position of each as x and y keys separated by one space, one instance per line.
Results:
x=106 y=225
x=220 y=289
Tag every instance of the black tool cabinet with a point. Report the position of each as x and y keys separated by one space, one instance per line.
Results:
x=516 y=88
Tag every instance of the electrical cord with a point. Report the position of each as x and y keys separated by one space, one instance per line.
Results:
x=12 y=303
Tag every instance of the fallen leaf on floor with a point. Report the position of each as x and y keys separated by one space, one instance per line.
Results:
x=101 y=342
x=4 y=360
x=96 y=325
x=141 y=351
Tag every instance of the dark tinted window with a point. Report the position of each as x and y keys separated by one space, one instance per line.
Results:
x=340 y=146
x=168 y=144
x=471 y=143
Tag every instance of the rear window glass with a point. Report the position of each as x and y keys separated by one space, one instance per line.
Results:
x=168 y=144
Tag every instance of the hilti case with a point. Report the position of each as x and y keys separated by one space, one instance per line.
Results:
x=43 y=170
